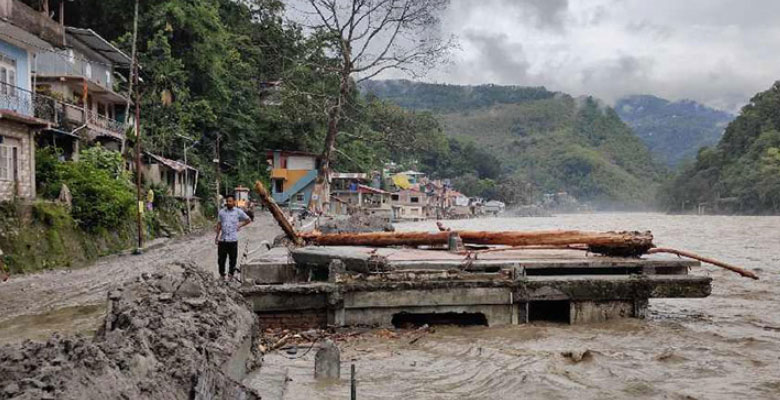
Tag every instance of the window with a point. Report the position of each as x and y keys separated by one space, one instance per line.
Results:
x=7 y=75
x=299 y=198
x=395 y=197
x=279 y=186
x=414 y=199
x=88 y=70
x=9 y=165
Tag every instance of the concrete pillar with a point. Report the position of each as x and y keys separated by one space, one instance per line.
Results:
x=327 y=361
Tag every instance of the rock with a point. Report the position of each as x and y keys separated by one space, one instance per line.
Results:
x=165 y=297
x=195 y=303
x=190 y=288
x=327 y=361
x=577 y=355
x=11 y=389
x=65 y=196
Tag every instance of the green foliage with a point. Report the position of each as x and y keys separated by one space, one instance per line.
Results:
x=742 y=173
x=100 y=158
x=554 y=142
x=102 y=194
x=213 y=60
x=52 y=215
x=673 y=131
x=46 y=171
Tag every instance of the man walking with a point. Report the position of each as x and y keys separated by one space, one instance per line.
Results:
x=231 y=220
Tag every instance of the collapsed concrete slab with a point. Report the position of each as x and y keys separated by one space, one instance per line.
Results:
x=381 y=287
x=177 y=334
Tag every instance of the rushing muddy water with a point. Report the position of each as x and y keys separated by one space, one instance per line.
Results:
x=726 y=346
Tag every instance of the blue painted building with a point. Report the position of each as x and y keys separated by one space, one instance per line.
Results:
x=18 y=123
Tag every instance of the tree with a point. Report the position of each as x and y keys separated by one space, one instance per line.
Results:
x=368 y=37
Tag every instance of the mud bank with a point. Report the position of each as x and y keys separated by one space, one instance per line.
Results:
x=173 y=334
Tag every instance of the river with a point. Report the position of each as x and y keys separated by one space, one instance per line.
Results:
x=726 y=346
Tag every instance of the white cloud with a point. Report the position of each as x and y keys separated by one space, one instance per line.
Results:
x=718 y=52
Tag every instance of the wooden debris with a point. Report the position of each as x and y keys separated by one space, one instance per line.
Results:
x=707 y=260
x=278 y=214
x=610 y=243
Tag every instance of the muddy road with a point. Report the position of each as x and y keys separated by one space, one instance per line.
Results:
x=72 y=301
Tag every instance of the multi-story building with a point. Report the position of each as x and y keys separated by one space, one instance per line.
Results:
x=18 y=122
x=293 y=175
x=409 y=204
x=56 y=89
x=79 y=79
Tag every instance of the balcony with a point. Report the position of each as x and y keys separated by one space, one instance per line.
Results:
x=56 y=113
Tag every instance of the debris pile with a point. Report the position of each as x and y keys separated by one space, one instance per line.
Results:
x=357 y=223
x=177 y=334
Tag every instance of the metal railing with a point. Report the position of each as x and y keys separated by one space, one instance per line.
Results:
x=58 y=112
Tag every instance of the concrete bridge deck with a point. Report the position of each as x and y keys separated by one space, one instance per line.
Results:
x=345 y=286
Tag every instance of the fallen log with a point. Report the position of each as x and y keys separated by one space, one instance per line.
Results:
x=608 y=243
x=707 y=260
x=278 y=214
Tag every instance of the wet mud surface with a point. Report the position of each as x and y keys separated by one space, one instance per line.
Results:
x=73 y=301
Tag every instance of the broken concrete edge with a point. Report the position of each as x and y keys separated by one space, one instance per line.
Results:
x=590 y=287
x=579 y=299
x=175 y=333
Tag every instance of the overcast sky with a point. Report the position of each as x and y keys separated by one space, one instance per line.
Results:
x=719 y=52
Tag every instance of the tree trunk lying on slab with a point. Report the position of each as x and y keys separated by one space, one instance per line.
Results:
x=277 y=213
x=609 y=243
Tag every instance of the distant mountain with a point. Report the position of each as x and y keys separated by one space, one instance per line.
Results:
x=674 y=131
x=742 y=173
x=555 y=141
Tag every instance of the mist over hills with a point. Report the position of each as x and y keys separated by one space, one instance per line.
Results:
x=673 y=131
x=551 y=139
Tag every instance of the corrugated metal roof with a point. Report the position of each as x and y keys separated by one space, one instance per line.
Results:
x=100 y=45
x=369 y=189
x=349 y=175
x=174 y=165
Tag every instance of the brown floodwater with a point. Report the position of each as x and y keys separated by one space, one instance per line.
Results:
x=726 y=346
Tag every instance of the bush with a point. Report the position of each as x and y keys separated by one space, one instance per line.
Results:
x=53 y=215
x=99 y=199
x=46 y=172
x=102 y=193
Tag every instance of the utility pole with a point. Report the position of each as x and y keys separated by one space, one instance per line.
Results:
x=134 y=71
x=138 y=163
x=218 y=163
x=187 y=177
x=133 y=62
x=187 y=187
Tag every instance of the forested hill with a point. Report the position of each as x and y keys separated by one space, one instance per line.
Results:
x=742 y=173
x=451 y=98
x=552 y=140
x=674 y=131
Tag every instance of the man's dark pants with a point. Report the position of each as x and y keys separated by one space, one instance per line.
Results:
x=225 y=249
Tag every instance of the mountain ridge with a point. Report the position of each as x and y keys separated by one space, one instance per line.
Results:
x=556 y=141
x=673 y=131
